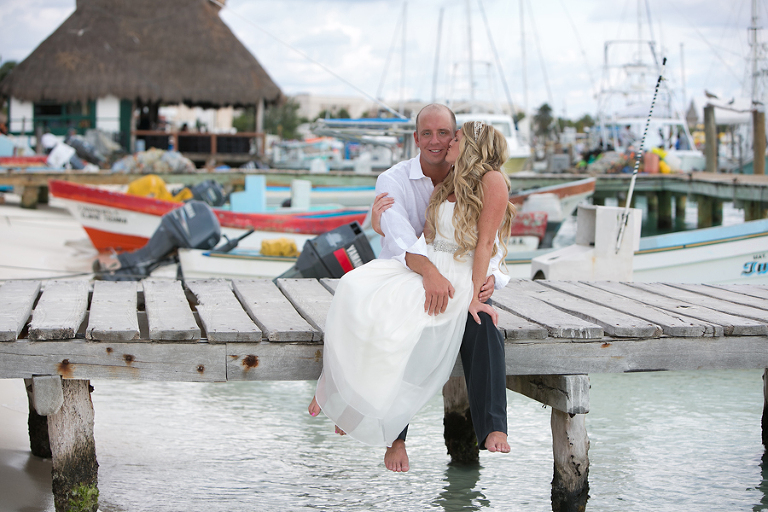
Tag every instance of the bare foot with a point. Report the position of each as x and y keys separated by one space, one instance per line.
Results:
x=396 y=458
x=497 y=442
x=314 y=408
x=339 y=431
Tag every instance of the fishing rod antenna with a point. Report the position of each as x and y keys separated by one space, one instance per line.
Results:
x=625 y=214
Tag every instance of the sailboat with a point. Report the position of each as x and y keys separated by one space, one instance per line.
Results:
x=518 y=150
x=629 y=71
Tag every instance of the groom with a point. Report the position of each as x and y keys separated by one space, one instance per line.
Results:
x=398 y=213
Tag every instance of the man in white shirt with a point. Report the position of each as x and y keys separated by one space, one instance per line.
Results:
x=402 y=196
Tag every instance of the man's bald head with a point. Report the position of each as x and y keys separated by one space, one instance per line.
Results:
x=436 y=107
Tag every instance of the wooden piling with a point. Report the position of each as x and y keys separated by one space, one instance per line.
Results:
x=705 y=206
x=764 y=419
x=680 y=203
x=665 y=209
x=39 y=444
x=758 y=124
x=30 y=196
x=460 y=439
x=710 y=139
x=75 y=470
x=755 y=210
x=570 y=444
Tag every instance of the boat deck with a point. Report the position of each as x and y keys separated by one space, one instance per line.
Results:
x=219 y=330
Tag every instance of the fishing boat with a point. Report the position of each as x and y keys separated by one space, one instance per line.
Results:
x=122 y=222
x=247 y=261
x=723 y=254
x=518 y=152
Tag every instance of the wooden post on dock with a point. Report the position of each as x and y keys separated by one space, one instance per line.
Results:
x=764 y=419
x=458 y=431
x=680 y=203
x=705 y=206
x=75 y=470
x=710 y=139
x=570 y=445
x=758 y=125
x=665 y=209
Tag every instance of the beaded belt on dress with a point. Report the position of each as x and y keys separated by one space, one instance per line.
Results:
x=445 y=246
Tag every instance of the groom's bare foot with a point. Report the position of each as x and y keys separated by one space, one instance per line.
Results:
x=396 y=458
x=314 y=408
x=497 y=442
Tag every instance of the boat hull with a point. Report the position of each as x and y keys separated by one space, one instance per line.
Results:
x=121 y=222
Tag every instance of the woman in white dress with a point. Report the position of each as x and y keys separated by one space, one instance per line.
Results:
x=384 y=356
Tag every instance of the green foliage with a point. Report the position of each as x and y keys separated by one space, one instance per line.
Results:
x=542 y=121
x=342 y=113
x=283 y=119
x=84 y=498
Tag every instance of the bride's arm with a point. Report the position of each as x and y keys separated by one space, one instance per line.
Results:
x=495 y=198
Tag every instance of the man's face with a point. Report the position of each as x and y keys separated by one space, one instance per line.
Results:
x=434 y=134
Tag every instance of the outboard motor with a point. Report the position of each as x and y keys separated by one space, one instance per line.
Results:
x=332 y=254
x=192 y=226
x=210 y=192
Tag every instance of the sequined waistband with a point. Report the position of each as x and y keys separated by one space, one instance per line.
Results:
x=445 y=246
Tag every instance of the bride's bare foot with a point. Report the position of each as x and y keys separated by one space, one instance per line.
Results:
x=497 y=442
x=396 y=458
x=339 y=431
x=314 y=408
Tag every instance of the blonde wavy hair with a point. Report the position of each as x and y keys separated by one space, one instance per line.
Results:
x=482 y=149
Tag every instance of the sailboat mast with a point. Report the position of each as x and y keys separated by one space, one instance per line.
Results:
x=525 y=69
x=753 y=45
x=402 y=63
x=437 y=54
x=471 y=63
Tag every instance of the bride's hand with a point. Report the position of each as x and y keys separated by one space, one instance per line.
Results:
x=476 y=307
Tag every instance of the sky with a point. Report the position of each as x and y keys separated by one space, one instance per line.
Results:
x=556 y=55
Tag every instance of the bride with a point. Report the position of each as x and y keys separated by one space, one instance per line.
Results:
x=384 y=355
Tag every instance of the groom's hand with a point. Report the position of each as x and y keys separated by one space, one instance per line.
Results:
x=438 y=290
x=487 y=289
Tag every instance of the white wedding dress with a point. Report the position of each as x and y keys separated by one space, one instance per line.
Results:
x=384 y=356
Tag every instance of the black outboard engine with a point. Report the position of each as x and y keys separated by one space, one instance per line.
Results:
x=192 y=226
x=332 y=254
x=210 y=192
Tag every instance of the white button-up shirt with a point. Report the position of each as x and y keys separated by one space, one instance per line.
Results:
x=403 y=223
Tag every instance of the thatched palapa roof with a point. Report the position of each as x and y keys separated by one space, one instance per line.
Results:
x=169 y=51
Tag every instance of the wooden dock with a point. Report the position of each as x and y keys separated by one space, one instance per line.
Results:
x=60 y=334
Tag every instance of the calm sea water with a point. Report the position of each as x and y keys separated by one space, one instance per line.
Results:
x=659 y=442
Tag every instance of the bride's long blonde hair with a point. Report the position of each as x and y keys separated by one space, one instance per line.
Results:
x=482 y=149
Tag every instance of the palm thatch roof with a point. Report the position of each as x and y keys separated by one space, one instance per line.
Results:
x=154 y=51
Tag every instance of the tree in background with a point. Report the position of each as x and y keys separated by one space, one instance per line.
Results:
x=6 y=68
x=282 y=120
x=542 y=121
x=342 y=113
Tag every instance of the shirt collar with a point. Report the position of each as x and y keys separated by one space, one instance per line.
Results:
x=415 y=172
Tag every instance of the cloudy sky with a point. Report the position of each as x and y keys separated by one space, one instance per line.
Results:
x=361 y=43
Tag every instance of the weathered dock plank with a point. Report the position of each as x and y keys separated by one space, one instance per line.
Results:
x=112 y=315
x=16 y=301
x=221 y=314
x=724 y=294
x=557 y=323
x=732 y=325
x=613 y=322
x=310 y=298
x=60 y=311
x=274 y=361
x=185 y=362
x=671 y=324
x=168 y=313
x=272 y=312
x=742 y=310
x=755 y=290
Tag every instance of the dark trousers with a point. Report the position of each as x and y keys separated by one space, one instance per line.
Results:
x=482 y=355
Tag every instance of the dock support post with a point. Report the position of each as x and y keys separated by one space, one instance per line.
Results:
x=710 y=139
x=705 y=206
x=680 y=203
x=665 y=209
x=764 y=419
x=30 y=196
x=39 y=444
x=570 y=444
x=75 y=470
x=758 y=126
x=754 y=210
x=458 y=431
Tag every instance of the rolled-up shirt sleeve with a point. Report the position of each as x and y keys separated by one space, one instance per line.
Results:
x=400 y=235
x=500 y=278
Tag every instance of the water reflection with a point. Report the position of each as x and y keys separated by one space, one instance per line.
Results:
x=459 y=491
x=763 y=487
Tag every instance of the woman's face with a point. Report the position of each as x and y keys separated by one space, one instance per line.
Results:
x=453 y=148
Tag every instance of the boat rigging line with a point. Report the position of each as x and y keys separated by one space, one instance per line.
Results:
x=313 y=61
x=625 y=214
